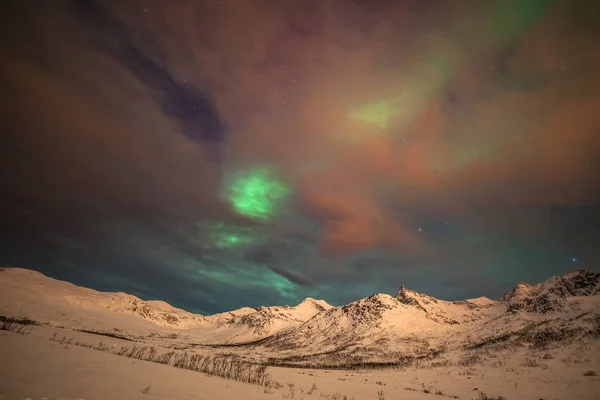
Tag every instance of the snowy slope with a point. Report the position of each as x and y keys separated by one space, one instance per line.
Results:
x=384 y=328
x=378 y=327
x=247 y=324
x=32 y=294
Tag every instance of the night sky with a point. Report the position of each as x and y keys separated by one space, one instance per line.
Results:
x=220 y=154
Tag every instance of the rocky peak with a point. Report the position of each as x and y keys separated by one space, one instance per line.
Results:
x=369 y=309
x=551 y=295
x=522 y=289
x=408 y=297
x=574 y=283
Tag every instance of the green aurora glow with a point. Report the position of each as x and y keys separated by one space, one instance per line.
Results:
x=510 y=20
x=403 y=107
x=225 y=236
x=258 y=193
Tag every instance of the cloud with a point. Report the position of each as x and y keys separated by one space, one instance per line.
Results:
x=292 y=276
x=127 y=117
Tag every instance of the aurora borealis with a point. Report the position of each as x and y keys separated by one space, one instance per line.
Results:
x=220 y=154
x=257 y=193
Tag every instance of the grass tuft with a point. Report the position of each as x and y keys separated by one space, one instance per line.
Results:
x=483 y=396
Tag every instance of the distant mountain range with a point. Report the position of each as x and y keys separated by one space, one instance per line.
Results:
x=378 y=328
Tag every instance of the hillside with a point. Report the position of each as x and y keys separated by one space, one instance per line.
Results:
x=40 y=298
x=378 y=328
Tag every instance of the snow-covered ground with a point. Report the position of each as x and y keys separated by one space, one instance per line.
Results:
x=536 y=342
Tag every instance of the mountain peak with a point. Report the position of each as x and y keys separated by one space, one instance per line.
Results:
x=318 y=304
x=409 y=297
x=308 y=300
x=404 y=295
x=521 y=289
x=574 y=283
x=551 y=295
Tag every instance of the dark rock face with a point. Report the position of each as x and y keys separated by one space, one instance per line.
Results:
x=578 y=283
x=537 y=304
x=551 y=295
x=470 y=305
x=404 y=297
x=517 y=291
x=368 y=311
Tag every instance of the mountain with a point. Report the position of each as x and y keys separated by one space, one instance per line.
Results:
x=30 y=293
x=378 y=328
x=249 y=324
x=382 y=328
x=552 y=294
x=40 y=298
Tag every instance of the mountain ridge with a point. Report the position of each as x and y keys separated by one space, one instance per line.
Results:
x=572 y=283
x=378 y=320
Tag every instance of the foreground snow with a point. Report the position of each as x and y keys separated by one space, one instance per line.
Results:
x=58 y=340
x=32 y=366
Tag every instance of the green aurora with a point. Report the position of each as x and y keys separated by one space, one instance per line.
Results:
x=510 y=20
x=224 y=236
x=258 y=193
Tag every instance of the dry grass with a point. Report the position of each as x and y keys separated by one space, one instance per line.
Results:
x=291 y=391
x=21 y=326
x=425 y=390
x=498 y=363
x=469 y=359
x=332 y=361
x=441 y=364
x=467 y=372
x=533 y=363
x=107 y=334
x=428 y=391
x=483 y=396
x=224 y=367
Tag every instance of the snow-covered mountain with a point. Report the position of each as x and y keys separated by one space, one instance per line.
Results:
x=379 y=327
x=43 y=299
x=385 y=328
x=552 y=294
x=250 y=324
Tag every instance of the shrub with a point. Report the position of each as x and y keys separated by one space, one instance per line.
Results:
x=21 y=326
x=483 y=396
x=469 y=359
